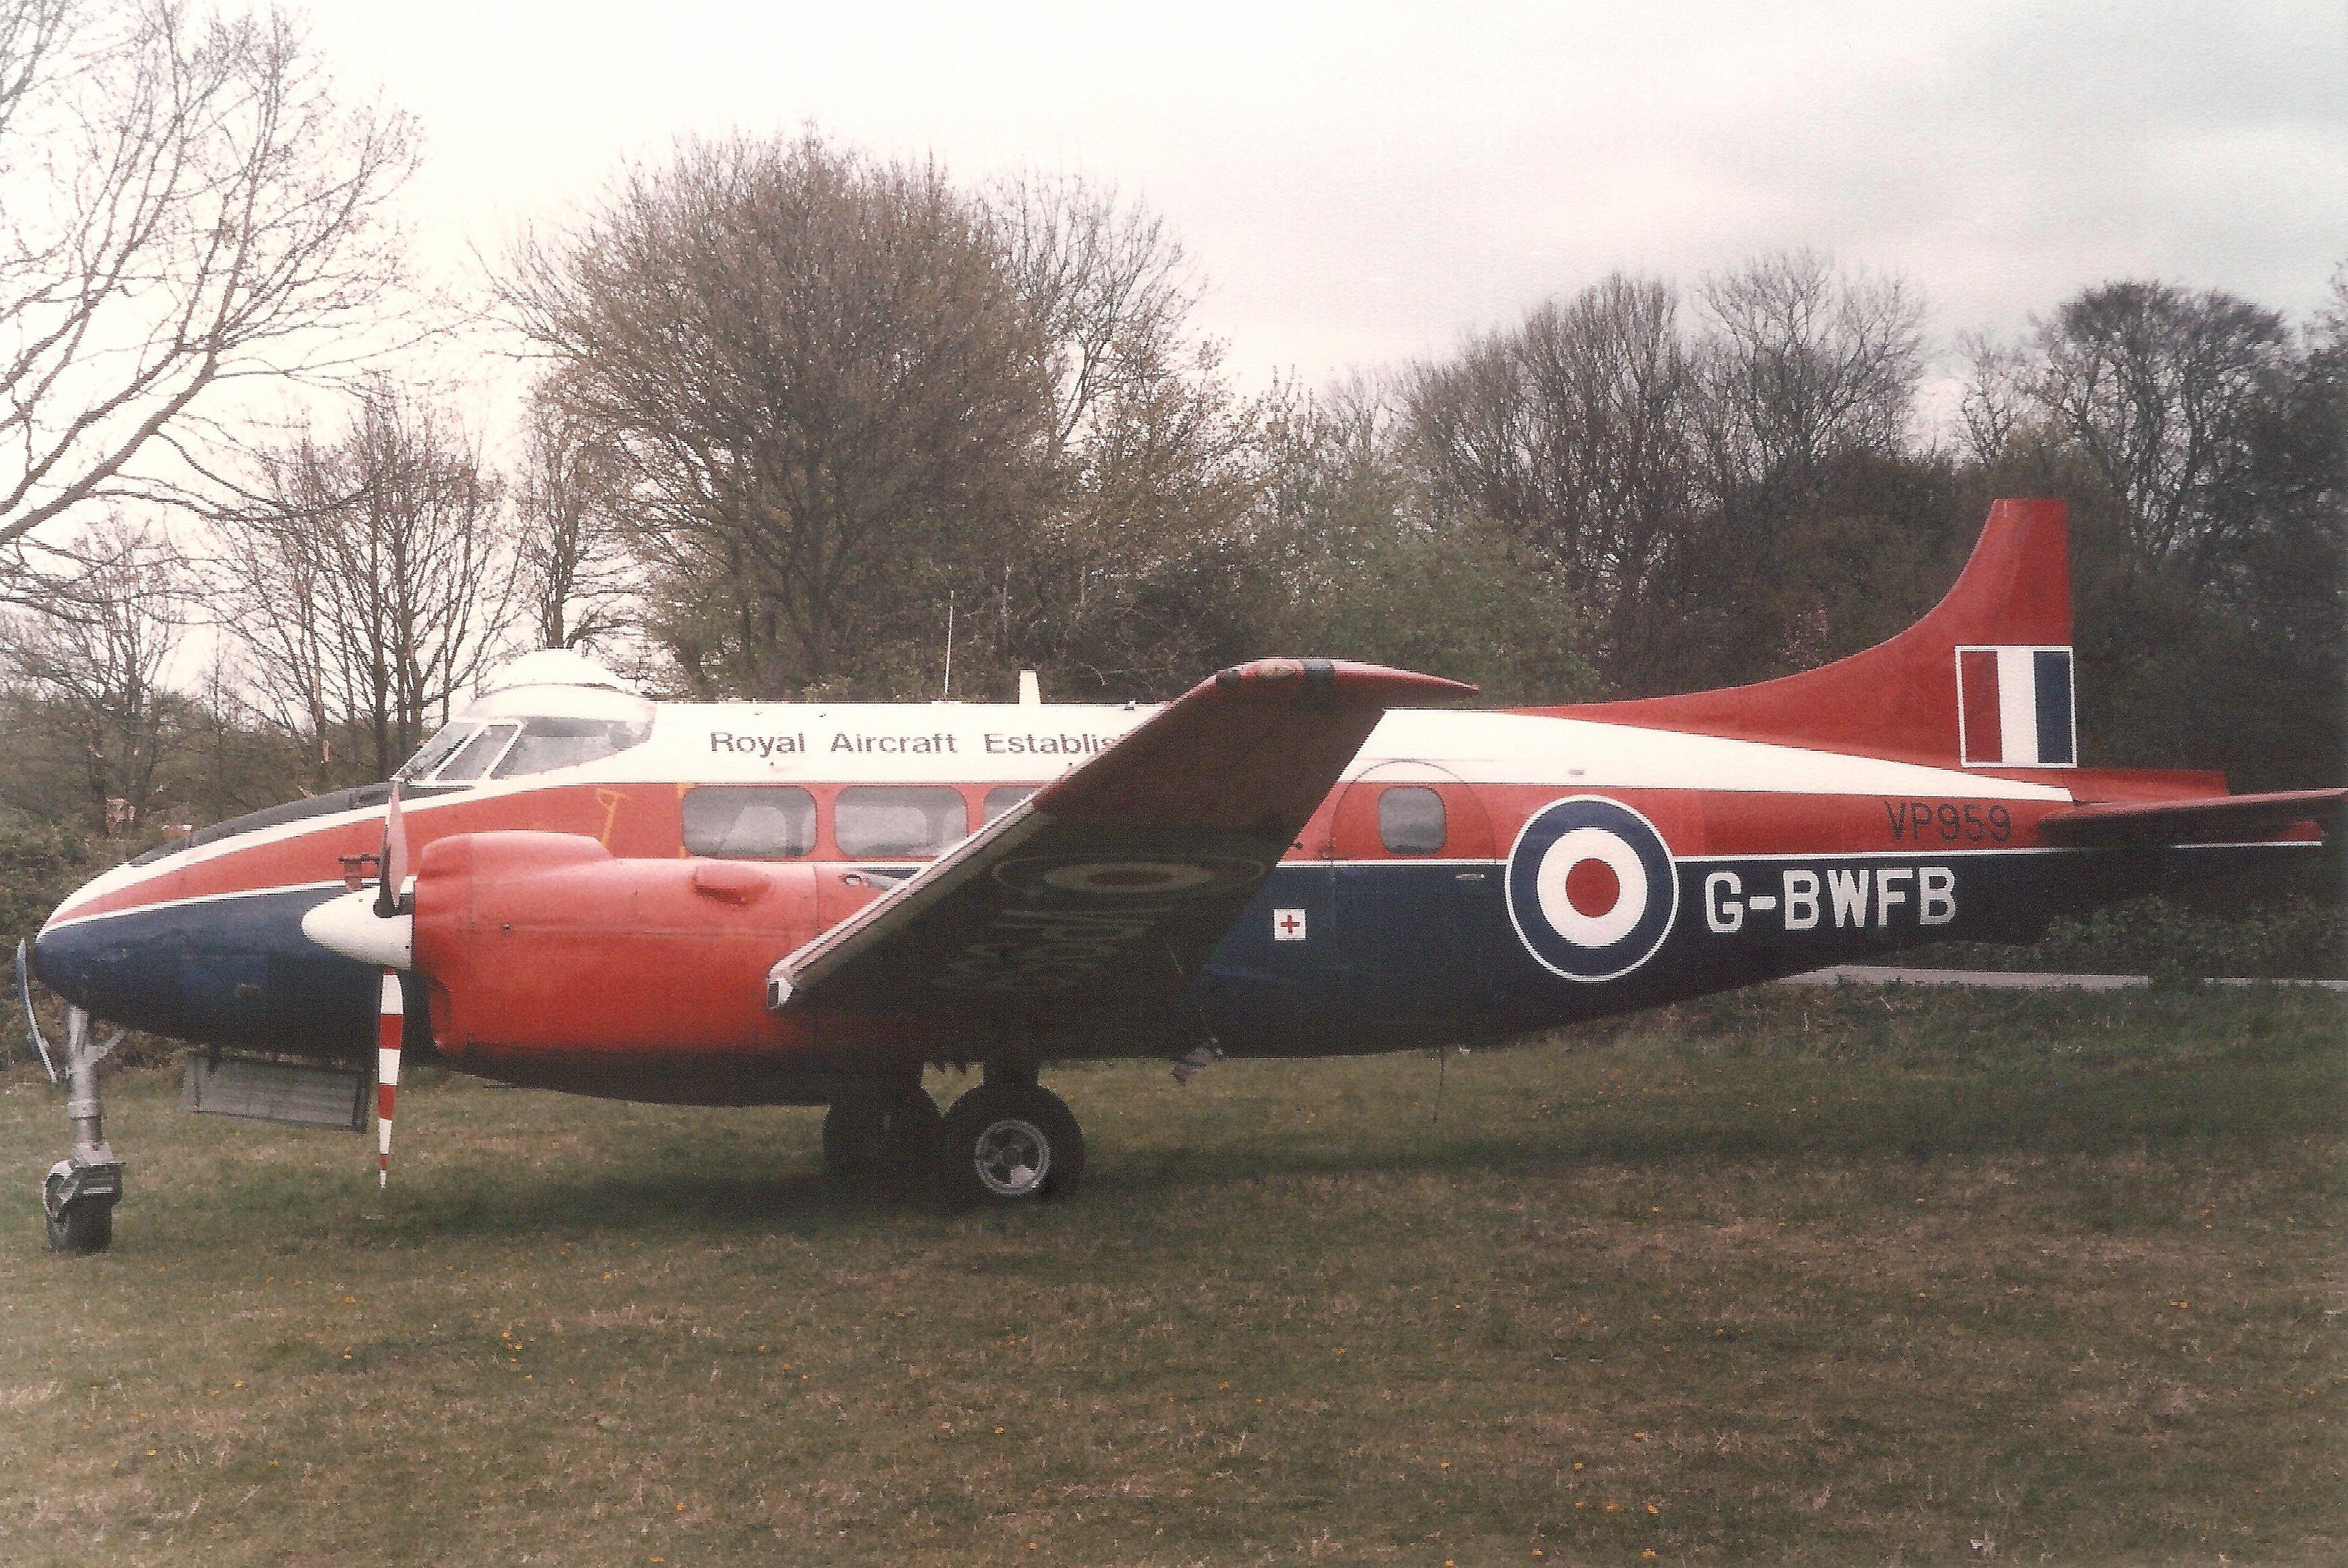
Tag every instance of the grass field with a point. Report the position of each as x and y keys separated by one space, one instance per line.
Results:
x=1798 y=1276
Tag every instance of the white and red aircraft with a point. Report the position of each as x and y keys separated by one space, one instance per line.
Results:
x=770 y=903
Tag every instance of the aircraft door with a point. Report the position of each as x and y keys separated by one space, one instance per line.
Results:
x=1417 y=892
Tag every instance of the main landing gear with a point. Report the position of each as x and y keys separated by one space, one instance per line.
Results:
x=1007 y=1140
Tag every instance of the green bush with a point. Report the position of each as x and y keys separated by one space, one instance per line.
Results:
x=2297 y=936
x=40 y=863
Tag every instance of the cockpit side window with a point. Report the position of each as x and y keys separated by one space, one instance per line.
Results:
x=436 y=750
x=478 y=754
x=530 y=730
x=549 y=743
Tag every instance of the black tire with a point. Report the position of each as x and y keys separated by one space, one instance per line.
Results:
x=85 y=1228
x=1007 y=1143
x=871 y=1132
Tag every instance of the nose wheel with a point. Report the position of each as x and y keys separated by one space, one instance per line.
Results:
x=1009 y=1142
x=80 y=1218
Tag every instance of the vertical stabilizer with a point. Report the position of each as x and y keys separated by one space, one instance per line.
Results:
x=1985 y=679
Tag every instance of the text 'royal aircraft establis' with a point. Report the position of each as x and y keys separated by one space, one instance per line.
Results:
x=751 y=904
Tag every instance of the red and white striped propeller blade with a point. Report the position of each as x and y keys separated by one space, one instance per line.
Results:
x=394 y=868
x=391 y=1019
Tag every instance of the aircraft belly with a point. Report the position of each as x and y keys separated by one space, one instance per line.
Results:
x=1400 y=955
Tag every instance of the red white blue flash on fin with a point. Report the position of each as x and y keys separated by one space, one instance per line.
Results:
x=2015 y=708
x=391 y=1019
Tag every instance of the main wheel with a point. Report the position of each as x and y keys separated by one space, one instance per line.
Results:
x=85 y=1226
x=873 y=1130
x=1009 y=1142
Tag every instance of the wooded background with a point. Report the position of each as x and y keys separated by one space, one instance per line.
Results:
x=790 y=402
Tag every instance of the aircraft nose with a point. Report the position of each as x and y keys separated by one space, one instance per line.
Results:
x=61 y=961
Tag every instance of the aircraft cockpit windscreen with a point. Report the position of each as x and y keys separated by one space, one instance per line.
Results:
x=528 y=730
x=436 y=750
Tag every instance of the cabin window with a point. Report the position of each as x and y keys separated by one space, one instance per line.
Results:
x=475 y=759
x=749 y=822
x=1410 y=820
x=1001 y=798
x=899 y=819
x=551 y=742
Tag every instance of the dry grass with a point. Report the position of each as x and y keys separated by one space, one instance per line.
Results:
x=1794 y=1277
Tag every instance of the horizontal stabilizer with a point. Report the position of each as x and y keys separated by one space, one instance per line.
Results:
x=2214 y=819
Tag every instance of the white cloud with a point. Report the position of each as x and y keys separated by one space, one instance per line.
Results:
x=1364 y=182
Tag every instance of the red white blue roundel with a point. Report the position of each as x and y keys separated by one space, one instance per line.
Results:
x=1591 y=887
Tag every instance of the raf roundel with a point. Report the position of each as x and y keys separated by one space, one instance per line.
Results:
x=1591 y=890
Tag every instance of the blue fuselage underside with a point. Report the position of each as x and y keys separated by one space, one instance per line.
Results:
x=1380 y=955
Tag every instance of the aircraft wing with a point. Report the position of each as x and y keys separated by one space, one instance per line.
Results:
x=1095 y=903
x=2211 y=819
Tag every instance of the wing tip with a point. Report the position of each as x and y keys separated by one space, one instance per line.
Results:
x=1343 y=681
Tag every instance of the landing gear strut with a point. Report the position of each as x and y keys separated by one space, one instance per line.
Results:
x=878 y=1128
x=1009 y=1140
x=78 y=1195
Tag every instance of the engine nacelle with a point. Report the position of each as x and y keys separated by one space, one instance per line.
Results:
x=533 y=942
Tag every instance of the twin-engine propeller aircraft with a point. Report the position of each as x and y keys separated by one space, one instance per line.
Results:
x=575 y=889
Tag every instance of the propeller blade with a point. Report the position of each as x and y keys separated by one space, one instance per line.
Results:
x=395 y=857
x=391 y=1019
x=32 y=1024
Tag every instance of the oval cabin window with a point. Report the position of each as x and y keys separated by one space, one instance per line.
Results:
x=749 y=822
x=1410 y=820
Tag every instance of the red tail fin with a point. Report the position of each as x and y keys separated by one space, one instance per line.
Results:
x=1983 y=680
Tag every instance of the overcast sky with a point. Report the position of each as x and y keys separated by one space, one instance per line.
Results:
x=1362 y=183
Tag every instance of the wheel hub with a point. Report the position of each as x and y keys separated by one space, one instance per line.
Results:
x=1012 y=1157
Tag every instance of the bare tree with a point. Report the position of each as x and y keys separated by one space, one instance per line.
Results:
x=824 y=388
x=2162 y=390
x=188 y=207
x=576 y=572
x=96 y=660
x=1577 y=431
x=376 y=585
x=2000 y=397
x=1806 y=363
x=1110 y=290
x=30 y=31
x=1150 y=474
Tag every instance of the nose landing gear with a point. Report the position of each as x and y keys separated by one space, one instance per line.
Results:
x=78 y=1195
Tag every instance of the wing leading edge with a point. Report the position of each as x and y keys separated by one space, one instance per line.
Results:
x=1095 y=903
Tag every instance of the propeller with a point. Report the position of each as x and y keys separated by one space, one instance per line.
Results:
x=391 y=900
x=391 y=892
x=390 y=1022
x=31 y=1020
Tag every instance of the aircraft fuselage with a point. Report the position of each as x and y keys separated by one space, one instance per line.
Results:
x=1425 y=903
